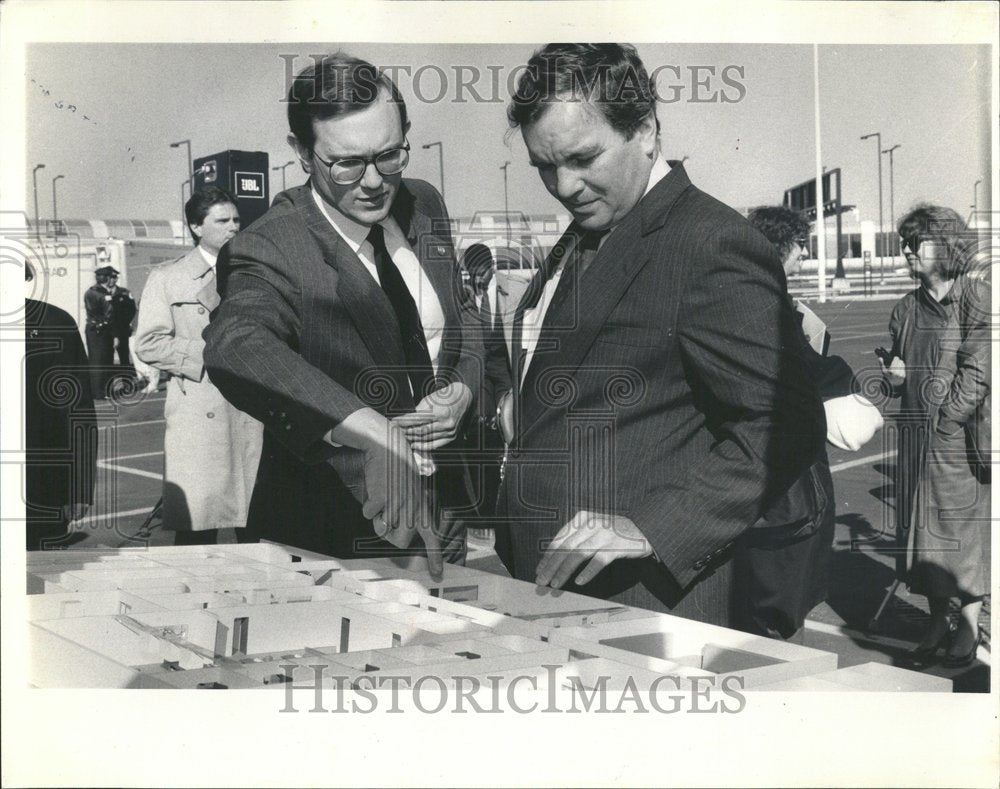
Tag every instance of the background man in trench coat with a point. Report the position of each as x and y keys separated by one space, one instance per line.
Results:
x=211 y=449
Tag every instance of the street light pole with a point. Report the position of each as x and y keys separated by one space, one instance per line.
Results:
x=34 y=181
x=975 y=199
x=892 y=214
x=440 y=147
x=506 y=209
x=878 y=235
x=282 y=168
x=55 y=211
x=190 y=176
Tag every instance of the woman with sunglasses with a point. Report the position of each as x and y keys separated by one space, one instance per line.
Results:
x=940 y=366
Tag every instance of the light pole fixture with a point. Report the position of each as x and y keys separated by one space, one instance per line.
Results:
x=892 y=215
x=55 y=211
x=506 y=208
x=190 y=176
x=440 y=147
x=282 y=168
x=878 y=235
x=34 y=181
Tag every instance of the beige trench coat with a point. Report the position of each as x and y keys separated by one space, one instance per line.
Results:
x=211 y=449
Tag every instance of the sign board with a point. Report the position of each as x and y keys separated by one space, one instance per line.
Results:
x=249 y=185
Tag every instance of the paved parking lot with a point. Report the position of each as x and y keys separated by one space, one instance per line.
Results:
x=131 y=457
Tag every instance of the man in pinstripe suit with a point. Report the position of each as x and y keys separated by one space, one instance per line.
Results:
x=661 y=397
x=339 y=330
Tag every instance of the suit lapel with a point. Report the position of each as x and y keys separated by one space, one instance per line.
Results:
x=576 y=316
x=357 y=290
x=433 y=249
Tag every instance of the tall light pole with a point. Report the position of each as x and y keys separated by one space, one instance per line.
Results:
x=55 y=212
x=187 y=144
x=506 y=209
x=282 y=168
x=878 y=235
x=440 y=148
x=34 y=181
x=892 y=215
x=975 y=199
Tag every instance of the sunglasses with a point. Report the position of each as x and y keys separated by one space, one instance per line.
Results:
x=911 y=242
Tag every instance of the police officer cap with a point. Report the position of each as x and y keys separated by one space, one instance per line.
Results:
x=107 y=271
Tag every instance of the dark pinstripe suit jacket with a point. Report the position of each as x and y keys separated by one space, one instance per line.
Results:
x=303 y=337
x=669 y=385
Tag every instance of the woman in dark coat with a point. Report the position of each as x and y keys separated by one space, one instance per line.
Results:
x=940 y=365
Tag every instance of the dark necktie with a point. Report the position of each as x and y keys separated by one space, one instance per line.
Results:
x=411 y=330
x=583 y=255
x=485 y=308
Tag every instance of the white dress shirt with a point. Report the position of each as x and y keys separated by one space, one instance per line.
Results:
x=535 y=317
x=355 y=235
x=209 y=257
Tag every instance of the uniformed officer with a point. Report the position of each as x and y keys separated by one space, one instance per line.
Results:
x=110 y=311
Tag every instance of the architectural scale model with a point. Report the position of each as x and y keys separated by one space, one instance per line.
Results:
x=255 y=616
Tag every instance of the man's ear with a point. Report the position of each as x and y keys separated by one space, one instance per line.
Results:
x=303 y=153
x=648 y=134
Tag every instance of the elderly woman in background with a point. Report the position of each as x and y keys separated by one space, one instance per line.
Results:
x=940 y=365
x=782 y=563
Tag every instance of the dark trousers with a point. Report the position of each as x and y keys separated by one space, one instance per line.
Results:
x=101 y=353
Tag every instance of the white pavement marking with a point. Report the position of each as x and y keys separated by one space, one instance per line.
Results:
x=840 y=630
x=134 y=424
x=126 y=470
x=140 y=455
x=106 y=515
x=862 y=461
x=841 y=338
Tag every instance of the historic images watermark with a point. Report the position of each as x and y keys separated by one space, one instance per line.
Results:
x=429 y=83
x=431 y=694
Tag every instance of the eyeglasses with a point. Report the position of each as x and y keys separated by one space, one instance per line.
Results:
x=911 y=242
x=349 y=171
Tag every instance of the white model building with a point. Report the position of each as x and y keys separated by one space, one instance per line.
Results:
x=254 y=616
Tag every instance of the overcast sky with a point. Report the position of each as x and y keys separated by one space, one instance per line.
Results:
x=103 y=115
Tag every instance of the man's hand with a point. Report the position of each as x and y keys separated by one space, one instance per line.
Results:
x=592 y=537
x=895 y=373
x=438 y=416
x=397 y=498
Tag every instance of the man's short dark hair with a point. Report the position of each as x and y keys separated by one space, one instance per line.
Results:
x=336 y=85
x=609 y=75
x=201 y=202
x=779 y=225
x=477 y=260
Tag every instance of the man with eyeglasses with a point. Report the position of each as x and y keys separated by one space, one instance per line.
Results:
x=339 y=329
